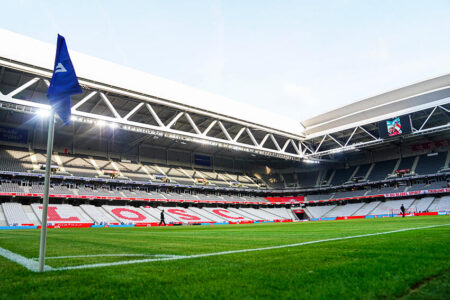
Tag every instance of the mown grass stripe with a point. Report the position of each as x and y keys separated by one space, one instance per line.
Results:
x=98 y=265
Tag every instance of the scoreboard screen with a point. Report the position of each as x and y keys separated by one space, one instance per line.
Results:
x=394 y=127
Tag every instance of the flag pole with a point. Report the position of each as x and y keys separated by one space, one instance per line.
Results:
x=48 y=163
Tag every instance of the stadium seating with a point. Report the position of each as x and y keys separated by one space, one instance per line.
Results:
x=156 y=214
x=386 y=190
x=349 y=194
x=98 y=214
x=60 y=213
x=14 y=214
x=185 y=215
x=307 y=179
x=342 y=175
x=208 y=214
x=244 y=214
x=281 y=213
x=440 y=204
x=344 y=210
x=421 y=205
x=392 y=206
x=362 y=171
x=11 y=187
x=315 y=197
x=15 y=160
x=430 y=164
x=129 y=214
x=259 y=214
x=382 y=169
x=367 y=208
x=406 y=163
x=3 y=221
x=227 y=214
x=318 y=211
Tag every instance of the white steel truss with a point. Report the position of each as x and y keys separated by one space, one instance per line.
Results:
x=230 y=141
x=313 y=147
x=282 y=144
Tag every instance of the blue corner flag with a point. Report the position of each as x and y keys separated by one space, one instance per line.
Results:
x=64 y=82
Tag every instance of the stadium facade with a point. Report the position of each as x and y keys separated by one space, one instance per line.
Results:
x=138 y=144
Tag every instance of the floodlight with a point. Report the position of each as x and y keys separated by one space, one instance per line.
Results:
x=43 y=113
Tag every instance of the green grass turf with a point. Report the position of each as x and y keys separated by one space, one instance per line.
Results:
x=411 y=264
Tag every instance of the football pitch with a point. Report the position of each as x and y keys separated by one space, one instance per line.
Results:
x=355 y=259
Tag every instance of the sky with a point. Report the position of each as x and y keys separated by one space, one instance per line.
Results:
x=294 y=58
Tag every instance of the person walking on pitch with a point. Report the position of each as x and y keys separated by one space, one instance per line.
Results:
x=162 y=218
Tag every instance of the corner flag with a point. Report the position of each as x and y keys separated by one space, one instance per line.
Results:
x=64 y=82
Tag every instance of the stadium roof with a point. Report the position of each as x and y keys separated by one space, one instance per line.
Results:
x=405 y=100
x=39 y=54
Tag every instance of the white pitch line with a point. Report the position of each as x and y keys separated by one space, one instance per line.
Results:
x=238 y=251
x=107 y=255
x=23 y=261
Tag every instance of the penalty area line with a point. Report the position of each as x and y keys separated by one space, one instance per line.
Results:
x=30 y=264
x=140 y=261
x=107 y=255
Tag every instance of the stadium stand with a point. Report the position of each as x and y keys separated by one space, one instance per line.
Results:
x=129 y=214
x=342 y=175
x=259 y=214
x=344 y=210
x=207 y=214
x=367 y=208
x=281 y=213
x=382 y=169
x=349 y=194
x=391 y=207
x=386 y=190
x=430 y=163
x=318 y=211
x=314 y=197
x=226 y=214
x=15 y=214
x=99 y=215
x=421 y=205
x=185 y=215
x=406 y=163
x=15 y=160
x=362 y=171
x=440 y=204
x=61 y=213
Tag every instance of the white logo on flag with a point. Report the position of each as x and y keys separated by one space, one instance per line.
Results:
x=60 y=68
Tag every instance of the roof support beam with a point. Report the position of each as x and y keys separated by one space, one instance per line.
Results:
x=443 y=108
x=188 y=117
x=238 y=135
x=82 y=101
x=296 y=148
x=225 y=131
x=320 y=144
x=354 y=130
x=210 y=126
x=23 y=87
x=285 y=145
x=110 y=106
x=275 y=142
x=133 y=111
x=429 y=116
x=154 y=115
x=264 y=140
x=252 y=137
x=174 y=120
x=368 y=133
x=337 y=142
